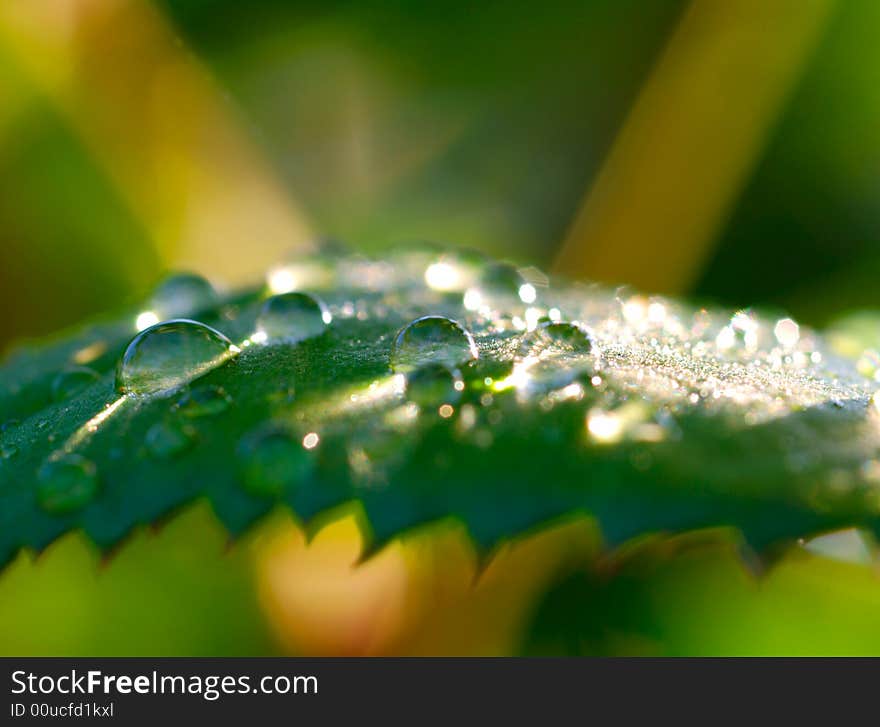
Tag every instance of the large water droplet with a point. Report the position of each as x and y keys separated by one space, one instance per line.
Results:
x=170 y=354
x=292 y=317
x=273 y=461
x=66 y=484
x=72 y=381
x=432 y=385
x=432 y=339
x=182 y=294
x=169 y=438
x=203 y=401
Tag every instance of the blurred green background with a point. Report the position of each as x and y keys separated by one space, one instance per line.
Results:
x=481 y=124
x=723 y=150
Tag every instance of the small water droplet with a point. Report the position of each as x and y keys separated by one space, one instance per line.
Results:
x=433 y=385
x=182 y=294
x=558 y=339
x=432 y=339
x=552 y=356
x=167 y=439
x=72 y=381
x=292 y=317
x=501 y=287
x=203 y=401
x=272 y=461
x=170 y=354
x=66 y=484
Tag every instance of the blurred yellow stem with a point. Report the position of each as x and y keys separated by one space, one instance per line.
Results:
x=694 y=133
x=156 y=122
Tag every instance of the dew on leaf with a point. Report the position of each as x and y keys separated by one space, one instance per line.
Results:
x=167 y=439
x=787 y=332
x=433 y=385
x=552 y=356
x=182 y=294
x=291 y=317
x=66 y=484
x=170 y=354
x=72 y=381
x=500 y=287
x=203 y=401
x=432 y=339
x=8 y=451
x=272 y=461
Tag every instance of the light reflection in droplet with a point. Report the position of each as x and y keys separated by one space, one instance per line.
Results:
x=145 y=320
x=605 y=427
x=527 y=293
x=787 y=332
x=443 y=276
x=311 y=440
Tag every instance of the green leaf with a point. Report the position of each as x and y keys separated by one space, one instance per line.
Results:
x=650 y=415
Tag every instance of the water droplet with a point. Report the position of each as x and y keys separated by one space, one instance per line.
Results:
x=182 y=294
x=432 y=339
x=72 y=381
x=203 y=401
x=552 y=356
x=169 y=438
x=787 y=332
x=66 y=484
x=557 y=339
x=292 y=317
x=501 y=287
x=272 y=461
x=744 y=331
x=433 y=385
x=170 y=354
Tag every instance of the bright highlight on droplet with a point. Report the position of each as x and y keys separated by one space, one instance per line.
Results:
x=787 y=332
x=473 y=300
x=656 y=314
x=443 y=276
x=605 y=427
x=635 y=310
x=726 y=338
x=310 y=441
x=446 y=411
x=145 y=320
x=527 y=293
x=281 y=280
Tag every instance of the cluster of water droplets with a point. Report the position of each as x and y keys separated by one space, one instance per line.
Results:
x=472 y=336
